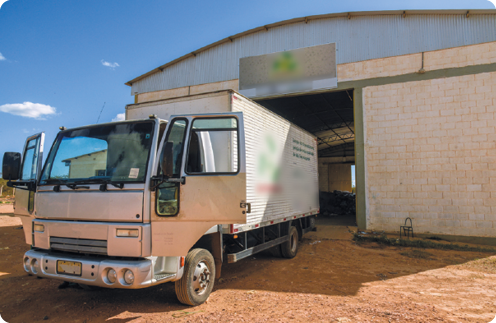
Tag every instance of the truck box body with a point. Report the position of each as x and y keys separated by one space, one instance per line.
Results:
x=281 y=158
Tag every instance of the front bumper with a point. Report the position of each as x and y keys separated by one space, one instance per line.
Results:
x=93 y=270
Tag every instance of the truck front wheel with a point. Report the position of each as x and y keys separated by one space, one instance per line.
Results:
x=290 y=247
x=197 y=282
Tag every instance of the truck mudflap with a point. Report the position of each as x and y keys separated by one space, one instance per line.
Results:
x=94 y=271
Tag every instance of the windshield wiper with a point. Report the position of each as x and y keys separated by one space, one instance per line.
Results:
x=75 y=186
x=104 y=183
x=118 y=185
x=57 y=182
x=53 y=181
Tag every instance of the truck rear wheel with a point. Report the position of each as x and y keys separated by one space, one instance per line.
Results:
x=290 y=247
x=197 y=282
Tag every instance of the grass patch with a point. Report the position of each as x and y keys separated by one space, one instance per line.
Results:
x=486 y=265
x=7 y=191
x=423 y=244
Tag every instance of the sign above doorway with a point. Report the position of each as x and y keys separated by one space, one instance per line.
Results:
x=301 y=70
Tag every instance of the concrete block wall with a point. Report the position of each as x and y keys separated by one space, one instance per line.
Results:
x=187 y=90
x=384 y=67
x=407 y=64
x=460 y=56
x=430 y=154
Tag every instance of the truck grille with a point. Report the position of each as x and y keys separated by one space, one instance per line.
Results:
x=79 y=245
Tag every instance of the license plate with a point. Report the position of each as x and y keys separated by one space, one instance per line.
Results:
x=69 y=267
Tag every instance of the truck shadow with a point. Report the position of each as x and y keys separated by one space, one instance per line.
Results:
x=321 y=267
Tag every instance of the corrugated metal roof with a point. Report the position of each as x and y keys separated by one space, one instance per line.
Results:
x=359 y=36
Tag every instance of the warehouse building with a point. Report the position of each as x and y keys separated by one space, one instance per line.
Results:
x=409 y=97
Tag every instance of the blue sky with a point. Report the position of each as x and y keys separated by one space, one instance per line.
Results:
x=65 y=59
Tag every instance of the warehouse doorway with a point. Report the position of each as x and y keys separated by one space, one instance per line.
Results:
x=330 y=117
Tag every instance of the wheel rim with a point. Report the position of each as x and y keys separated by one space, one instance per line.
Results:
x=293 y=242
x=201 y=278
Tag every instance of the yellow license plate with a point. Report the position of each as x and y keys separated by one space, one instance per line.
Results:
x=69 y=267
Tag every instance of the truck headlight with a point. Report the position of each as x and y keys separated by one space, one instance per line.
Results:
x=111 y=275
x=26 y=264
x=34 y=266
x=128 y=233
x=38 y=227
x=129 y=277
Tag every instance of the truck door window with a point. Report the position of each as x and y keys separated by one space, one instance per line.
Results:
x=163 y=125
x=213 y=146
x=30 y=161
x=168 y=193
x=176 y=137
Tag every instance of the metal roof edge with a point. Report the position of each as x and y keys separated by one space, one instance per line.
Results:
x=316 y=17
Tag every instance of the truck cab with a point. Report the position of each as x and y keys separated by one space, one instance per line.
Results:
x=120 y=205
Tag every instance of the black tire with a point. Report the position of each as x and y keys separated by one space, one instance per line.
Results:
x=290 y=247
x=188 y=290
x=275 y=251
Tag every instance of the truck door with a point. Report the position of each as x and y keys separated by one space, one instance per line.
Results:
x=32 y=158
x=208 y=184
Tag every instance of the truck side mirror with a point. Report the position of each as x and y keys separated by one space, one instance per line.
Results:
x=11 y=166
x=167 y=160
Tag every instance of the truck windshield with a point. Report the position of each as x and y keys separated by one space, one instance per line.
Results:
x=110 y=153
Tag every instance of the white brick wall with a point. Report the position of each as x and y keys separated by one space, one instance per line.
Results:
x=430 y=151
x=408 y=64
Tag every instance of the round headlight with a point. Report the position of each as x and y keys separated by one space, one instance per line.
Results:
x=26 y=264
x=34 y=265
x=129 y=277
x=112 y=276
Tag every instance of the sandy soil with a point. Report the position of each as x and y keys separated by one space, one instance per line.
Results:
x=6 y=208
x=328 y=281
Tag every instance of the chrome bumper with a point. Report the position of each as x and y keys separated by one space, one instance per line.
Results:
x=94 y=270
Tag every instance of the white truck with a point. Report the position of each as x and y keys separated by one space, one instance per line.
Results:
x=166 y=195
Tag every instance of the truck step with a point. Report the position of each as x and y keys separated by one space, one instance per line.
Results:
x=234 y=257
x=163 y=276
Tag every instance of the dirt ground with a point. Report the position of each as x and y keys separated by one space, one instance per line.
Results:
x=328 y=281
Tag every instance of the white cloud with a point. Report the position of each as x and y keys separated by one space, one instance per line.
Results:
x=120 y=117
x=2 y=58
x=111 y=65
x=28 y=110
